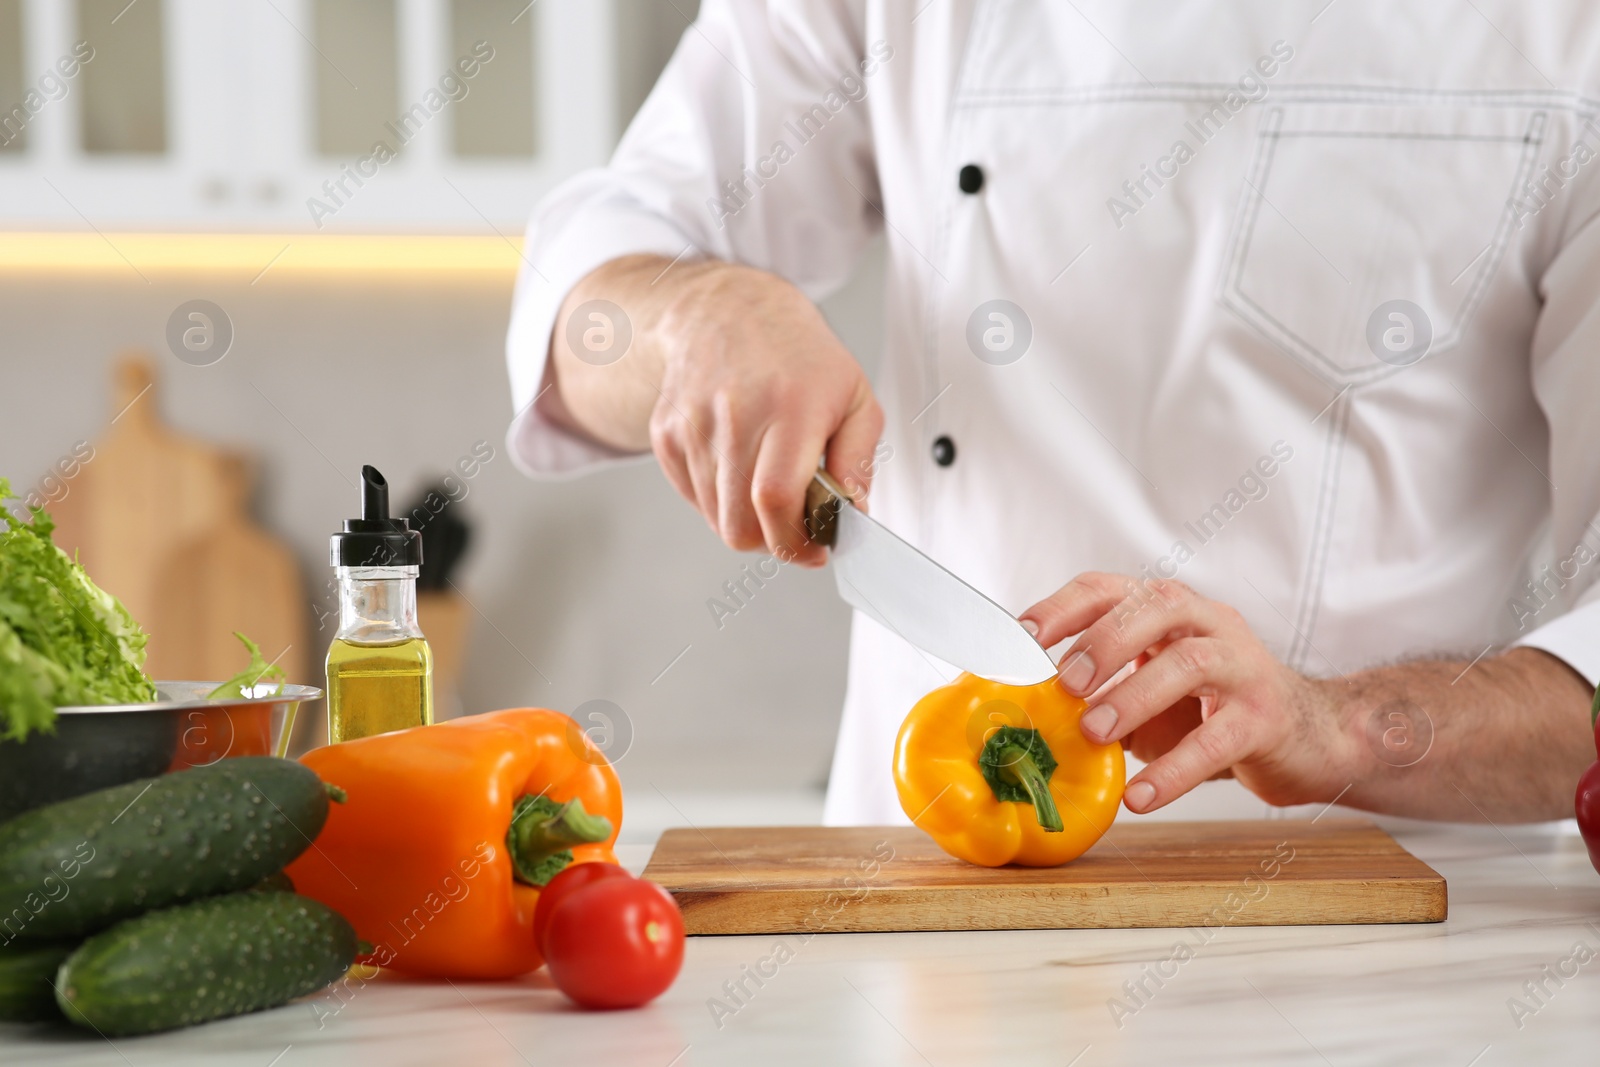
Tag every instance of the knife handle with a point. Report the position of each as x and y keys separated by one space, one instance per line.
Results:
x=824 y=498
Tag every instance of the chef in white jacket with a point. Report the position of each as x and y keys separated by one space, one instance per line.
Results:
x=1254 y=344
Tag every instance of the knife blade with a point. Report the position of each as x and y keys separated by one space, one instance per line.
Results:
x=890 y=581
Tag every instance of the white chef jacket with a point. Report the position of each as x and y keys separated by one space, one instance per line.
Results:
x=1201 y=217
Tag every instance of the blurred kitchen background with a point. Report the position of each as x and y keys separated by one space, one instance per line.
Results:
x=185 y=162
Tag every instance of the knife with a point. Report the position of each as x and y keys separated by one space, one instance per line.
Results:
x=889 y=581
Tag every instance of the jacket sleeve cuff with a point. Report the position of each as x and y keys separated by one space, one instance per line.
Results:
x=1573 y=638
x=601 y=232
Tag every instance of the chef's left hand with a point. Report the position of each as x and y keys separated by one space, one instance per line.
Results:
x=1206 y=697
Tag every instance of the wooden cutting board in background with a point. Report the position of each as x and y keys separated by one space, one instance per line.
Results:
x=231 y=576
x=1269 y=872
x=161 y=521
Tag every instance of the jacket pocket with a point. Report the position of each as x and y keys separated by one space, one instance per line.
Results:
x=1367 y=234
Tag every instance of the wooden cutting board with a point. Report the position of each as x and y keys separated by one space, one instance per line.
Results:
x=161 y=520
x=1267 y=872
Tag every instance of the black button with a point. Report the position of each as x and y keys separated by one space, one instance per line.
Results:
x=944 y=451
x=971 y=178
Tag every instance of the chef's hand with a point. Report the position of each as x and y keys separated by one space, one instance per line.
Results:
x=1206 y=697
x=736 y=383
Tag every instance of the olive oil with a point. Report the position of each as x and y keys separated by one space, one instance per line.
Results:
x=373 y=689
x=380 y=670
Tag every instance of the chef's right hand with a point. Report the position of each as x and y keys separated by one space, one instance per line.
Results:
x=737 y=383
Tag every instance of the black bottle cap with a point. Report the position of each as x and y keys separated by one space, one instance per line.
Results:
x=375 y=540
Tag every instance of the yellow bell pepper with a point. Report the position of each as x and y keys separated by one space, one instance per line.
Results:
x=1001 y=774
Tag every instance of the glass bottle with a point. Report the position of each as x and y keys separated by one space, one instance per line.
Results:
x=380 y=669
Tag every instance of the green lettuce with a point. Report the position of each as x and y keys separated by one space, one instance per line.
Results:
x=63 y=640
x=242 y=685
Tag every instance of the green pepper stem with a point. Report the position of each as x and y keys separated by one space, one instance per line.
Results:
x=543 y=832
x=1017 y=765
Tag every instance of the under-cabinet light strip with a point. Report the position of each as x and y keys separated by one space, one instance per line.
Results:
x=258 y=253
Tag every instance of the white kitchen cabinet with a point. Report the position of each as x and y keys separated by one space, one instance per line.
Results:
x=243 y=118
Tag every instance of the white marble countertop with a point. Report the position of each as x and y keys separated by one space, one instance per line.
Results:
x=1521 y=900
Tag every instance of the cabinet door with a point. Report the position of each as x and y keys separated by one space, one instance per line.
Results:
x=127 y=126
x=249 y=114
x=497 y=101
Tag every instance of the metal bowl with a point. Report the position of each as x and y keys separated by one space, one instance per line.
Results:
x=99 y=746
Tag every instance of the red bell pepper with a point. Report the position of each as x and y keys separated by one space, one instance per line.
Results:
x=1587 y=806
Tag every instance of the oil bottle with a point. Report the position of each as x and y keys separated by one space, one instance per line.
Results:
x=380 y=669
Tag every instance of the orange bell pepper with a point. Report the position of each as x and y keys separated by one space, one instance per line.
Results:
x=448 y=831
x=1001 y=774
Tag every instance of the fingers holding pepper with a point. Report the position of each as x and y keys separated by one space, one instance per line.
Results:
x=1120 y=619
x=1252 y=707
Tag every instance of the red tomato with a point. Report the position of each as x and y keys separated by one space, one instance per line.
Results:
x=574 y=877
x=615 y=943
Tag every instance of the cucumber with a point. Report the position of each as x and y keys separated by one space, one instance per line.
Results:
x=281 y=882
x=208 y=959
x=76 y=867
x=27 y=981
